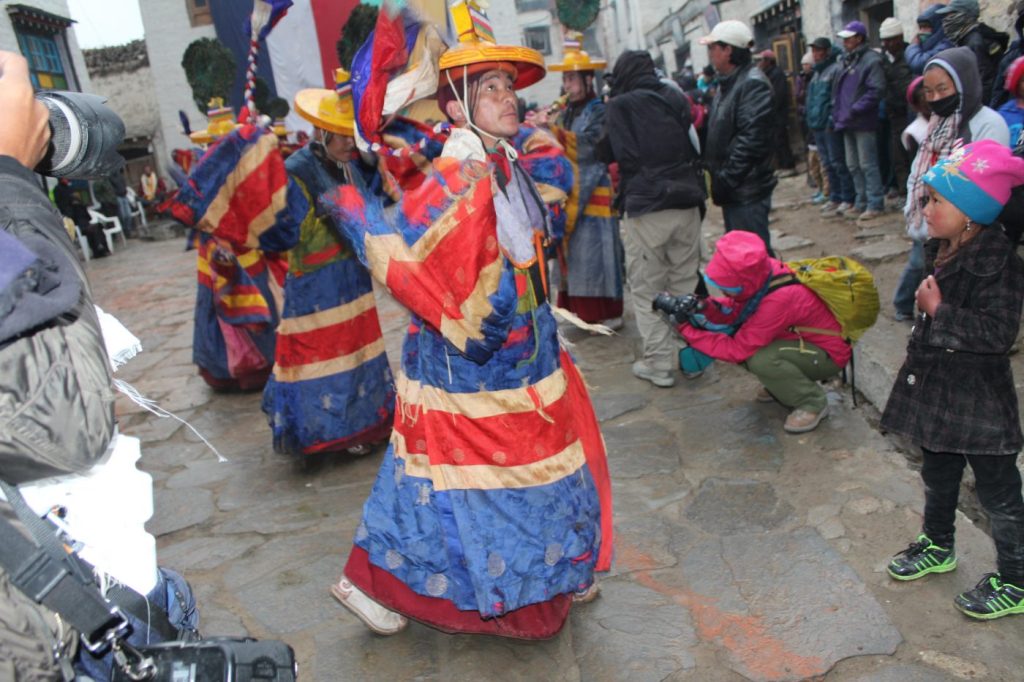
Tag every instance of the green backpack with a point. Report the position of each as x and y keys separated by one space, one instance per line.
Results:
x=846 y=287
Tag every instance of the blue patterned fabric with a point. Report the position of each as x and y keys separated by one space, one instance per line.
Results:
x=347 y=407
x=594 y=256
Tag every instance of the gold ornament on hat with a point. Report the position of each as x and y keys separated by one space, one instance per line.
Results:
x=477 y=51
x=221 y=121
x=574 y=58
x=331 y=110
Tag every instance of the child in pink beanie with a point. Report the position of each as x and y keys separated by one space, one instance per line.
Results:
x=954 y=395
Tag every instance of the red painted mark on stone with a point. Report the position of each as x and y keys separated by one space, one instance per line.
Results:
x=746 y=636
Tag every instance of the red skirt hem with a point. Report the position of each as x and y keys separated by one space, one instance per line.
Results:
x=536 y=621
x=249 y=382
x=591 y=308
x=370 y=436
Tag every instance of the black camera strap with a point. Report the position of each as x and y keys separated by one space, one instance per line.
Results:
x=54 y=559
x=50 y=575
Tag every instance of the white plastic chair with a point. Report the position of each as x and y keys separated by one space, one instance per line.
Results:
x=137 y=208
x=76 y=234
x=97 y=218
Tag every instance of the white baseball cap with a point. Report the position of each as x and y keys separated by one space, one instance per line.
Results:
x=730 y=32
x=890 y=28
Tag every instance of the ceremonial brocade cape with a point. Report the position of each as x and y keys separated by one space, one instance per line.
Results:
x=493 y=503
x=233 y=198
x=591 y=254
x=331 y=387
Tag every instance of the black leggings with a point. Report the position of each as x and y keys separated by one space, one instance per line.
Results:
x=999 y=491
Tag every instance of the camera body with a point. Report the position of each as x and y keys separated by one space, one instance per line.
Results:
x=678 y=308
x=218 y=660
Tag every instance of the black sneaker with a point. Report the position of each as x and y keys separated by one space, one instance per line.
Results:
x=991 y=598
x=920 y=559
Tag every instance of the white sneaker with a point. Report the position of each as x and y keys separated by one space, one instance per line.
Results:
x=379 y=619
x=658 y=377
x=587 y=595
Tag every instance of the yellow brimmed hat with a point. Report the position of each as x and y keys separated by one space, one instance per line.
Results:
x=477 y=51
x=574 y=58
x=221 y=122
x=331 y=110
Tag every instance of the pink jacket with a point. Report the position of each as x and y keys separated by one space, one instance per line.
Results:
x=741 y=260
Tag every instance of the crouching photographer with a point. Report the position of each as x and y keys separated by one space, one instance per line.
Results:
x=773 y=325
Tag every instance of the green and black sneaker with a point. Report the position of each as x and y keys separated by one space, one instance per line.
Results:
x=991 y=598
x=920 y=559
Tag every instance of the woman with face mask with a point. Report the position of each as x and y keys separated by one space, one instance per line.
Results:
x=952 y=87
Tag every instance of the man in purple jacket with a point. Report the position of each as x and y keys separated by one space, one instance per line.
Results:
x=858 y=90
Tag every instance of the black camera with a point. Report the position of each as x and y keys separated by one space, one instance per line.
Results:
x=84 y=136
x=215 y=660
x=678 y=308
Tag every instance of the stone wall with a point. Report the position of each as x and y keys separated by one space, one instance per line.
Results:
x=122 y=74
x=132 y=96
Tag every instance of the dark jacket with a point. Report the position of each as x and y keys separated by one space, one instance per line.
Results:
x=999 y=93
x=780 y=93
x=740 y=138
x=955 y=391
x=897 y=79
x=859 y=89
x=819 y=93
x=646 y=131
x=56 y=398
x=988 y=45
x=918 y=54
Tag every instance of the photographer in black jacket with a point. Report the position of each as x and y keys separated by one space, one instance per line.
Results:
x=739 y=140
x=648 y=132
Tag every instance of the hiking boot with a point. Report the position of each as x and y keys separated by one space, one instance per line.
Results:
x=991 y=598
x=802 y=421
x=844 y=208
x=869 y=214
x=853 y=213
x=763 y=396
x=381 y=620
x=659 y=377
x=920 y=559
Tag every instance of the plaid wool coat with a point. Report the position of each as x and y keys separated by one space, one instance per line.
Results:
x=955 y=391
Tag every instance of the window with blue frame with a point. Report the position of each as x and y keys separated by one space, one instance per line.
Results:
x=42 y=40
x=44 y=62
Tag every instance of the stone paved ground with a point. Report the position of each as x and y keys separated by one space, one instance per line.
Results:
x=741 y=552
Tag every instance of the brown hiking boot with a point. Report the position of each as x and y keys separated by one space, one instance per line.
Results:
x=802 y=421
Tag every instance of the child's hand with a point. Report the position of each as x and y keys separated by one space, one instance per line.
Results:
x=928 y=296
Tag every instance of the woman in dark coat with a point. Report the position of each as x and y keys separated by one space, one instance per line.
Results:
x=954 y=395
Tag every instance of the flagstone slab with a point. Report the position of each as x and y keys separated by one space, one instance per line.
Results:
x=727 y=506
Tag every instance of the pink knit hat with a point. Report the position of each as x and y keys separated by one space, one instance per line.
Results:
x=977 y=179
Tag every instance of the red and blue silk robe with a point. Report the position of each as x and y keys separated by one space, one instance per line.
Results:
x=493 y=503
x=591 y=255
x=234 y=195
x=331 y=388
